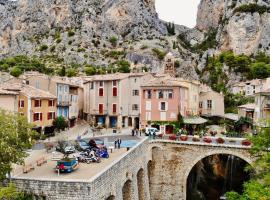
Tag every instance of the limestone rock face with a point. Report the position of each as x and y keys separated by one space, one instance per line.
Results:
x=241 y=32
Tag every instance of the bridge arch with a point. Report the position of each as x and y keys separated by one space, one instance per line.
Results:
x=112 y=197
x=141 y=184
x=207 y=154
x=127 y=190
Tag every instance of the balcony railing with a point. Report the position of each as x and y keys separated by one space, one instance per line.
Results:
x=63 y=103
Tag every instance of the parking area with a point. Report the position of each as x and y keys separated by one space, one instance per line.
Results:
x=46 y=170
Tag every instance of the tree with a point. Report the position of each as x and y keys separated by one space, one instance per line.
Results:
x=258 y=188
x=16 y=135
x=15 y=71
x=260 y=70
x=72 y=72
x=89 y=70
x=60 y=123
x=113 y=40
x=10 y=193
x=62 y=72
x=123 y=66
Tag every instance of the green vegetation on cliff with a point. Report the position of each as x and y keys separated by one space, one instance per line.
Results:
x=252 y=8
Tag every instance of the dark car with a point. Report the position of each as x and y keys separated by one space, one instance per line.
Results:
x=82 y=145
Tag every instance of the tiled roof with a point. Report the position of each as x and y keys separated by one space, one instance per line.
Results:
x=250 y=106
x=28 y=91
x=6 y=92
x=164 y=81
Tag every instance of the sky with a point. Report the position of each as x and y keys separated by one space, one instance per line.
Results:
x=182 y=12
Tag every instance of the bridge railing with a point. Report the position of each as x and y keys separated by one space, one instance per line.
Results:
x=210 y=141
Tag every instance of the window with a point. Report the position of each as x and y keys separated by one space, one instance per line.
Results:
x=51 y=103
x=200 y=104
x=209 y=104
x=100 y=92
x=148 y=94
x=148 y=116
x=51 y=115
x=135 y=107
x=21 y=103
x=60 y=88
x=163 y=106
x=115 y=83
x=37 y=117
x=101 y=83
x=100 y=108
x=66 y=88
x=135 y=92
x=115 y=91
x=37 y=84
x=37 y=103
x=92 y=85
x=160 y=94
x=170 y=94
x=114 y=108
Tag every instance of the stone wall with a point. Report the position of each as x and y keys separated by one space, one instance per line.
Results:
x=105 y=185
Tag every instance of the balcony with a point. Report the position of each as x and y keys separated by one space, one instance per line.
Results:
x=63 y=103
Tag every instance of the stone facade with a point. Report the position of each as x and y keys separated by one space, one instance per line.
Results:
x=152 y=170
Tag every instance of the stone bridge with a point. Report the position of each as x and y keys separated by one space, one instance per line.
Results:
x=156 y=170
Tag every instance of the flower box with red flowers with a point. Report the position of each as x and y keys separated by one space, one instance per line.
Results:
x=220 y=140
x=160 y=135
x=172 y=137
x=183 y=138
x=207 y=140
x=246 y=143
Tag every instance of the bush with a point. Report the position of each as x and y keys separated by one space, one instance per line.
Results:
x=43 y=47
x=123 y=66
x=113 y=40
x=60 y=123
x=252 y=8
x=90 y=70
x=52 y=49
x=58 y=40
x=71 y=72
x=160 y=54
x=71 y=33
x=16 y=71
x=81 y=50
x=260 y=70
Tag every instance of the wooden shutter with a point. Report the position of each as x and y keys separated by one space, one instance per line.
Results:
x=114 y=108
x=40 y=116
x=100 y=108
x=115 y=92
x=101 y=92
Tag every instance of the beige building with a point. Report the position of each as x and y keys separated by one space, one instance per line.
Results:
x=211 y=103
x=38 y=106
x=9 y=100
x=113 y=100
x=247 y=110
x=262 y=105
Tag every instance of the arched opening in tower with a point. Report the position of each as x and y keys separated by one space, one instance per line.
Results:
x=215 y=175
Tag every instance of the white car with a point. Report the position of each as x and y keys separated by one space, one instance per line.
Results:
x=150 y=131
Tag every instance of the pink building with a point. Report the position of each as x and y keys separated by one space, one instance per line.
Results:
x=163 y=99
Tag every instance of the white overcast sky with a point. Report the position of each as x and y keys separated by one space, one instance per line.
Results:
x=182 y=12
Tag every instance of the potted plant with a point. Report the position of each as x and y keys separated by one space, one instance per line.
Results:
x=220 y=140
x=195 y=139
x=246 y=143
x=172 y=137
x=207 y=140
x=160 y=135
x=183 y=138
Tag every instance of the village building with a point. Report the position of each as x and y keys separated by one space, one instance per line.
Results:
x=211 y=103
x=9 y=100
x=38 y=106
x=69 y=95
x=163 y=99
x=262 y=102
x=249 y=88
x=247 y=110
x=113 y=100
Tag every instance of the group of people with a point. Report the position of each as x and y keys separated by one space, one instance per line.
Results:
x=117 y=143
x=136 y=132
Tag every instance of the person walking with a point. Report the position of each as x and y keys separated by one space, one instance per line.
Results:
x=115 y=144
x=119 y=143
x=140 y=132
x=133 y=132
x=137 y=132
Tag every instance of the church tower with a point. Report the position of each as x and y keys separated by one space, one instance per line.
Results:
x=169 y=67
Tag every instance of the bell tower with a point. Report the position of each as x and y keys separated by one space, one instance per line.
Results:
x=169 y=67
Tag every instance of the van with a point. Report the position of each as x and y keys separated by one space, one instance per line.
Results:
x=150 y=131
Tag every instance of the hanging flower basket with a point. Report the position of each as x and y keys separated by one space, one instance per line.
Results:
x=220 y=140
x=207 y=140
x=172 y=137
x=246 y=143
x=183 y=138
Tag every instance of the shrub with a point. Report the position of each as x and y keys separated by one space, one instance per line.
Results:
x=43 y=47
x=52 y=49
x=16 y=71
x=81 y=50
x=160 y=54
x=89 y=70
x=72 y=72
x=60 y=123
x=58 y=40
x=113 y=40
x=220 y=140
x=252 y=8
x=71 y=33
x=123 y=66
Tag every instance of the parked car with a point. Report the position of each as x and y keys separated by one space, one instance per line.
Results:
x=67 y=165
x=82 y=145
x=151 y=131
x=65 y=147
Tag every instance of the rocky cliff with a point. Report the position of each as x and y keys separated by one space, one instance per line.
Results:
x=242 y=25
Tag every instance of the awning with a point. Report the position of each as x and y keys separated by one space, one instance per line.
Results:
x=194 y=120
x=231 y=116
